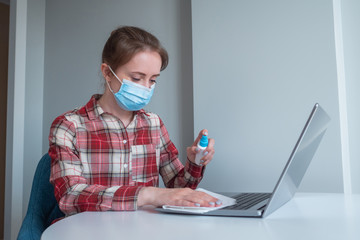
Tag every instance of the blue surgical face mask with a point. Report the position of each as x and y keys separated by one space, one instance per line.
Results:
x=132 y=96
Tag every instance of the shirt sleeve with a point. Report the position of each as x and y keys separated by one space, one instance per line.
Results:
x=72 y=190
x=173 y=172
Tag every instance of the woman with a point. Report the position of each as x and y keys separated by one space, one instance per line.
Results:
x=108 y=154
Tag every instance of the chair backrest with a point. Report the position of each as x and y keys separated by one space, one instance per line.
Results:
x=43 y=207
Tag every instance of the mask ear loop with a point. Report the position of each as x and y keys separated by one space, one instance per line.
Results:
x=114 y=74
x=109 y=87
x=116 y=78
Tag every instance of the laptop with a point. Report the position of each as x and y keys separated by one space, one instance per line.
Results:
x=263 y=204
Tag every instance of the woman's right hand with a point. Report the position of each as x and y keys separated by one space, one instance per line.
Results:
x=176 y=197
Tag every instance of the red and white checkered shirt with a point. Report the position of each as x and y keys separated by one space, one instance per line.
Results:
x=98 y=164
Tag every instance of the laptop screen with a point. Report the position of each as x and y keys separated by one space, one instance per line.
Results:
x=300 y=159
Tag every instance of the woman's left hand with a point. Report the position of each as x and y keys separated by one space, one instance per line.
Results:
x=208 y=152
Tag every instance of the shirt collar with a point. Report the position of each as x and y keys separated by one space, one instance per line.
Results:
x=94 y=110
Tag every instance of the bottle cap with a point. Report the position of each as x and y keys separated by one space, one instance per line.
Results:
x=204 y=141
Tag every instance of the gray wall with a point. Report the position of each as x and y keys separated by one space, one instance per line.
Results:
x=351 y=39
x=60 y=70
x=259 y=67
x=74 y=40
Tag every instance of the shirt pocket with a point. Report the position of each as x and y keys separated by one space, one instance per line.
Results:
x=144 y=163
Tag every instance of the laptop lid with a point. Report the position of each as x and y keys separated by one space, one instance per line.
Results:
x=299 y=159
x=292 y=174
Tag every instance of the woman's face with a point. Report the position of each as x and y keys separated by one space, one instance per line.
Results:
x=143 y=68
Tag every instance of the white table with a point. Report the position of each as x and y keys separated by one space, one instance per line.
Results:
x=306 y=217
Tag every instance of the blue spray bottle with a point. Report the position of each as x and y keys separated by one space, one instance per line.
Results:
x=202 y=145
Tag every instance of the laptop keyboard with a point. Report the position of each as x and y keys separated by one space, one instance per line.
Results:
x=247 y=200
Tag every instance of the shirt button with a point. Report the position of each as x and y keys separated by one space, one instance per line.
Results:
x=125 y=165
x=124 y=141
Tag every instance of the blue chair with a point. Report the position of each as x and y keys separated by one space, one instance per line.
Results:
x=43 y=207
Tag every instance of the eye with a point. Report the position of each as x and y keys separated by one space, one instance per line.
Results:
x=135 y=79
x=153 y=81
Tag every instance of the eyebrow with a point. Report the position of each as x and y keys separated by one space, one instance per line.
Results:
x=143 y=74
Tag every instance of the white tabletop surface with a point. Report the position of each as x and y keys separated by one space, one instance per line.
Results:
x=307 y=216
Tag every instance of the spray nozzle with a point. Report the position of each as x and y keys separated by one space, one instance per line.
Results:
x=204 y=141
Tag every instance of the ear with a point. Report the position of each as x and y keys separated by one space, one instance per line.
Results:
x=106 y=72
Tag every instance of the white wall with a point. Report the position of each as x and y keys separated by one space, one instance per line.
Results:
x=15 y=119
x=33 y=131
x=351 y=39
x=259 y=67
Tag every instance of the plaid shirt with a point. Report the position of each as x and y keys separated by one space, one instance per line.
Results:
x=98 y=164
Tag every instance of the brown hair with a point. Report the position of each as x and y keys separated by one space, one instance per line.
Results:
x=125 y=42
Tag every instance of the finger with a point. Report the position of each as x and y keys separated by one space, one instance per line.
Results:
x=207 y=159
x=211 y=143
x=189 y=150
x=205 y=162
x=191 y=198
x=209 y=149
x=208 y=155
x=201 y=133
x=206 y=200
x=186 y=203
x=180 y=197
x=192 y=150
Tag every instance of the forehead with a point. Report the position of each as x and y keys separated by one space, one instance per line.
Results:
x=147 y=62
